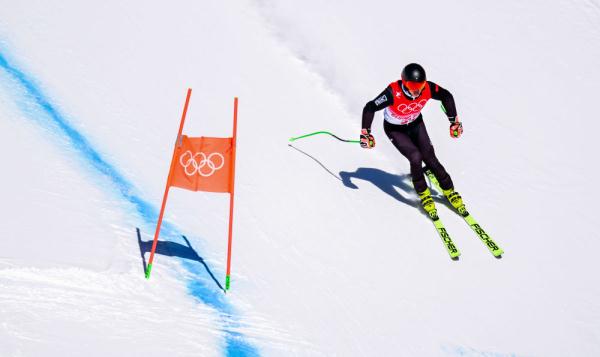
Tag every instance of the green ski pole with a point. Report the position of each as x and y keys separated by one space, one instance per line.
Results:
x=324 y=132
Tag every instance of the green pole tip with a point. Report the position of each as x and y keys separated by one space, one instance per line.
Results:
x=227 y=282
x=148 y=270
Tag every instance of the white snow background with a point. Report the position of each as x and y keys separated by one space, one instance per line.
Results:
x=331 y=256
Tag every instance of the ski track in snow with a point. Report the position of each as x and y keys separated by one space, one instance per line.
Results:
x=32 y=100
x=297 y=47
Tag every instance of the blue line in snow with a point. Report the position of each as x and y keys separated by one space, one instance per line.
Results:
x=471 y=352
x=39 y=108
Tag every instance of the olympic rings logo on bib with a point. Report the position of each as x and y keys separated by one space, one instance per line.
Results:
x=201 y=164
x=411 y=107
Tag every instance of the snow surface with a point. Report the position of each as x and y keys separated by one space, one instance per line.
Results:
x=331 y=255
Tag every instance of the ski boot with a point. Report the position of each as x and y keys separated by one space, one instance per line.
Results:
x=428 y=204
x=456 y=201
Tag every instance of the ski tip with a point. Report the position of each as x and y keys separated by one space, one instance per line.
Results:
x=456 y=258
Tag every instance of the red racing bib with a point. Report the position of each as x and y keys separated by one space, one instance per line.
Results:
x=405 y=110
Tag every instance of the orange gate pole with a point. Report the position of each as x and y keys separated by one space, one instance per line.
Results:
x=164 y=201
x=232 y=186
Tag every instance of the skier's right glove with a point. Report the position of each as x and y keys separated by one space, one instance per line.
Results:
x=367 y=140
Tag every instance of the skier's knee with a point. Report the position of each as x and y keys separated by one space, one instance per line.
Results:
x=415 y=158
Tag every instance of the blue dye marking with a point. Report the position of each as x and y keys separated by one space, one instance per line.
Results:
x=471 y=352
x=32 y=102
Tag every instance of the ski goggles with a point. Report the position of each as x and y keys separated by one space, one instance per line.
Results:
x=414 y=86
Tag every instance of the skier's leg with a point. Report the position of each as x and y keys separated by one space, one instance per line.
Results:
x=426 y=148
x=438 y=170
x=407 y=147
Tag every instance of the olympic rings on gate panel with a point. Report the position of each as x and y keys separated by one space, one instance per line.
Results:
x=194 y=163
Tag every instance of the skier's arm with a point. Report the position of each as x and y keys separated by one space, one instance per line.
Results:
x=439 y=93
x=383 y=100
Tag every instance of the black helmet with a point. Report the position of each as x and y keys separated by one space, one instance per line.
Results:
x=413 y=73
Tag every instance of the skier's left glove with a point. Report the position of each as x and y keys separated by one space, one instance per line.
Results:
x=456 y=128
x=367 y=140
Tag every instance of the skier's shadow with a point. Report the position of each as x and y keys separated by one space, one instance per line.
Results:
x=172 y=249
x=386 y=182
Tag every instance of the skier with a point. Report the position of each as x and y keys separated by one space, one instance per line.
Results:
x=403 y=101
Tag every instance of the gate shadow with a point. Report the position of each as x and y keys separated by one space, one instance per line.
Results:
x=173 y=249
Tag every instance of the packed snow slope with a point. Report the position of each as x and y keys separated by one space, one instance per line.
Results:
x=331 y=254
